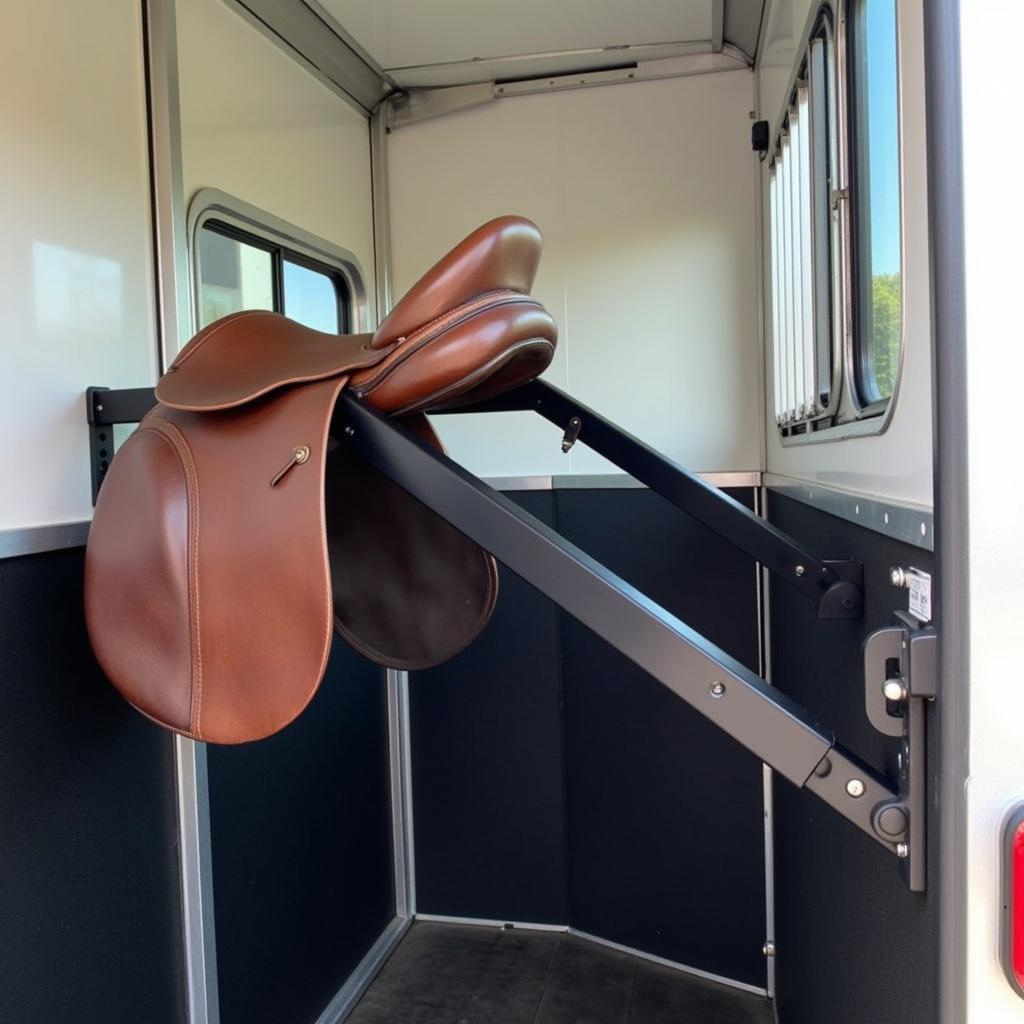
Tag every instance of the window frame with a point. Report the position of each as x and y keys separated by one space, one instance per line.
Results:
x=848 y=416
x=214 y=210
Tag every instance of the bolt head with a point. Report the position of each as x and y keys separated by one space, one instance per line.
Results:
x=855 y=788
x=894 y=689
x=799 y=570
x=897 y=576
x=768 y=949
x=717 y=689
x=891 y=820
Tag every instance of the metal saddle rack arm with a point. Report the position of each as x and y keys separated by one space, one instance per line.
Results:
x=765 y=721
x=834 y=585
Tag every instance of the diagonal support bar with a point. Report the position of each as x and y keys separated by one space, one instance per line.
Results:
x=834 y=586
x=776 y=729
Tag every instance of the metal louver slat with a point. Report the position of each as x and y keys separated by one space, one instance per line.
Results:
x=796 y=366
x=808 y=388
x=787 y=282
x=775 y=290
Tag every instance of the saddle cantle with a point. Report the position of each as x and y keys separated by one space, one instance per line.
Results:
x=234 y=533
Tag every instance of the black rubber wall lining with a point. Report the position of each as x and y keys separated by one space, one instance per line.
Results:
x=486 y=739
x=90 y=920
x=666 y=826
x=853 y=944
x=555 y=782
x=303 y=869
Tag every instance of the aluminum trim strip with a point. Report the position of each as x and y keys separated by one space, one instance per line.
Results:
x=34 y=540
x=607 y=943
x=359 y=980
x=486 y=922
x=609 y=481
x=301 y=31
x=911 y=524
x=401 y=793
x=196 y=861
x=743 y=986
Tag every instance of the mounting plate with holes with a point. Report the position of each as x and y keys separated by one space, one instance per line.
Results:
x=900 y=674
x=101 y=438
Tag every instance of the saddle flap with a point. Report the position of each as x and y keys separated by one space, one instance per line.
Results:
x=410 y=591
x=246 y=355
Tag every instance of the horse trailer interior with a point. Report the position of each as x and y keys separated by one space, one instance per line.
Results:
x=508 y=518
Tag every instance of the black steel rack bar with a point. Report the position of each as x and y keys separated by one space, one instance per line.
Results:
x=835 y=586
x=779 y=731
x=773 y=727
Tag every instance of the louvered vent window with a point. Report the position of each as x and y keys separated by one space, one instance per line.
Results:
x=804 y=246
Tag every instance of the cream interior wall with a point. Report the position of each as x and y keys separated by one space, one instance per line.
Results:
x=76 y=265
x=257 y=125
x=646 y=195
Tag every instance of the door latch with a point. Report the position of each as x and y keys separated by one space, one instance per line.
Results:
x=900 y=678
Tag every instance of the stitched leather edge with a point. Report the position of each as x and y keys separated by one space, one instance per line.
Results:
x=172 y=434
x=436 y=328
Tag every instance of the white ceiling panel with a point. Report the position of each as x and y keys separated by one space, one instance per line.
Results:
x=405 y=35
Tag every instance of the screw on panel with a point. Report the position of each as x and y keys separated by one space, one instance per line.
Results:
x=768 y=949
x=799 y=570
x=855 y=787
x=898 y=576
x=717 y=689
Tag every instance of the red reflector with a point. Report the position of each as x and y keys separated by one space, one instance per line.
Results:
x=1013 y=900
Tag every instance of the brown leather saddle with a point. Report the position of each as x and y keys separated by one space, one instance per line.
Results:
x=235 y=533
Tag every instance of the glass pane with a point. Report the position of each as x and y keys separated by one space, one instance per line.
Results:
x=880 y=294
x=232 y=276
x=311 y=298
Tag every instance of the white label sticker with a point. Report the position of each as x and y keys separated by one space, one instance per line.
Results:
x=920 y=584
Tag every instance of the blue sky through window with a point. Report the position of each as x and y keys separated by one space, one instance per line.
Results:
x=883 y=134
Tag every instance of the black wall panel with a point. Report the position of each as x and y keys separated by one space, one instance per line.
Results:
x=555 y=782
x=854 y=946
x=302 y=860
x=666 y=827
x=486 y=742
x=90 y=921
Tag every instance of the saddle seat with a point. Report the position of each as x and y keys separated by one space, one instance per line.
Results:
x=235 y=532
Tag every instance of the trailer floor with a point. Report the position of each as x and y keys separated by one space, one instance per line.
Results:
x=466 y=974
